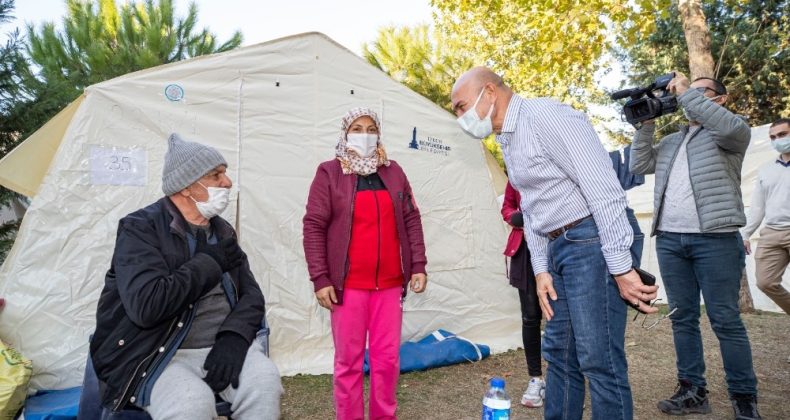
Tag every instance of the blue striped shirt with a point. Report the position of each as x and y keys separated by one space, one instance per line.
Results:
x=557 y=163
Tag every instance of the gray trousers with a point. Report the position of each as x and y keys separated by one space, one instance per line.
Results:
x=180 y=392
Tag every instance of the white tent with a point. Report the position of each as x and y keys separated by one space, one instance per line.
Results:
x=640 y=198
x=274 y=111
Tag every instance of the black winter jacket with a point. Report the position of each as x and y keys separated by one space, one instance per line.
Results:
x=148 y=299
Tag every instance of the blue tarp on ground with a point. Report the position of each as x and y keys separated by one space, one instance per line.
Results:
x=440 y=348
x=53 y=405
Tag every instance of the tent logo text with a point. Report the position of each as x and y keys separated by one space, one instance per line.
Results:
x=430 y=144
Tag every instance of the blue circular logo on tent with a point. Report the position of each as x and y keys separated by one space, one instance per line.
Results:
x=174 y=92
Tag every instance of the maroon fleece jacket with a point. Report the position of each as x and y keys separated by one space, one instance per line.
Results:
x=328 y=220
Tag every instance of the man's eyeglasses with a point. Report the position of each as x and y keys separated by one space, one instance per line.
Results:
x=703 y=89
x=657 y=320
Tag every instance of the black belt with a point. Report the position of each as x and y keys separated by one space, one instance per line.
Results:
x=554 y=234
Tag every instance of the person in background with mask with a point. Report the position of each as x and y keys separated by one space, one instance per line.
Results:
x=364 y=247
x=771 y=201
x=177 y=319
x=698 y=209
x=578 y=236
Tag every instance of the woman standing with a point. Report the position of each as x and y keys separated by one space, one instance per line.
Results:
x=522 y=278
x=364 y=247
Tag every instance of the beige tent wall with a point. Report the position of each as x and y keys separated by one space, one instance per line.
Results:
x=273 y=137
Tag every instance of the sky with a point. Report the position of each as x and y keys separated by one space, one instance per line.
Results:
x=349 y=22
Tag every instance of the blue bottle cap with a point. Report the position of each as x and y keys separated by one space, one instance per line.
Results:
x=498 y=383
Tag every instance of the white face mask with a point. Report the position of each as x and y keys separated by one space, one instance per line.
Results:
x=475 y=126
x=781 y=145
x=362 y=143
x=218 y=199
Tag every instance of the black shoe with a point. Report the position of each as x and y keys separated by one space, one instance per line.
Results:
x=745 y=407
x=688 y=399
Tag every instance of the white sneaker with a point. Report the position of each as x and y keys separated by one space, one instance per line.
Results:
x=533 y=396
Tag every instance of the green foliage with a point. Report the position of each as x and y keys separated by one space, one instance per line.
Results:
x=100 y=41
x=542 y=48
x=11 y=60
x=418 y=59
x=749 y=43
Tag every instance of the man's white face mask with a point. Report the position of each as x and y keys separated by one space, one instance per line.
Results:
x=218 y=199
x=781 y=145
x=475 y=126
x=362 y=143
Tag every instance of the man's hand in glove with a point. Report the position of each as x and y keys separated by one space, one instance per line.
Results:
x=226 y=253
x=225 y=360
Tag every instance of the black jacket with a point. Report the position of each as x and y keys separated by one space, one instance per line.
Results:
x=148 y=298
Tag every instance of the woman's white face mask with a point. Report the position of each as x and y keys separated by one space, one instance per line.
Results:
x=475 y=126
x=364 y=144
x=217 y=202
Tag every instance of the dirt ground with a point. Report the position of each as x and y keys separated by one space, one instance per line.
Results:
x=456 y=392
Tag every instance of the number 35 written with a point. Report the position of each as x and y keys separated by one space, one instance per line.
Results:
x=119 y=163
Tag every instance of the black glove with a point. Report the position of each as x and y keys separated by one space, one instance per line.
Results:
x=226 y=253
x=517 y=219
x=225 y=360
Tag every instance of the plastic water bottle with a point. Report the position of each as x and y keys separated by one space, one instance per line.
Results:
x=496 y=403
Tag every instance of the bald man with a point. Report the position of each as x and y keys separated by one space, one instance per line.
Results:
x=578 y=235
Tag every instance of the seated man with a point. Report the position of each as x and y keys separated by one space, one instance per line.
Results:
x=180 y=309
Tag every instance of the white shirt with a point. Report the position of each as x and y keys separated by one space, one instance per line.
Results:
x=556 y=161
x=771 y=199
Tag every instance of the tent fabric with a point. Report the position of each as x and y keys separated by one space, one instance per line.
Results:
x=440 y=348
x=273 y=110
x=640 y=199
x=23 y=169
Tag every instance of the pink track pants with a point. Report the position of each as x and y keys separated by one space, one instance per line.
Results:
x=376 y=315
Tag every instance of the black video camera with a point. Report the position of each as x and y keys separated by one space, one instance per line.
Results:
x=650 y=102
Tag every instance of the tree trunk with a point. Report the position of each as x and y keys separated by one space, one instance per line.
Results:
x=697 y=38
x=745 y=302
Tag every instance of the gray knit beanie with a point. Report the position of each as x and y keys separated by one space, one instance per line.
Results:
x=187 y=162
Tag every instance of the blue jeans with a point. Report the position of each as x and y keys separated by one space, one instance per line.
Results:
x=586 y=336
x=710 y=263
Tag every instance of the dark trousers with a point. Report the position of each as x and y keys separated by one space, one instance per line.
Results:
x=530 y=328
x=523 y=279
x=710 y=264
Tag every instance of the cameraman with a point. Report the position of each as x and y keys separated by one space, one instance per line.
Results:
x=698 y=209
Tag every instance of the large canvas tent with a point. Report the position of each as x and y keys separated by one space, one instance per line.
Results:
x=274 y=111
